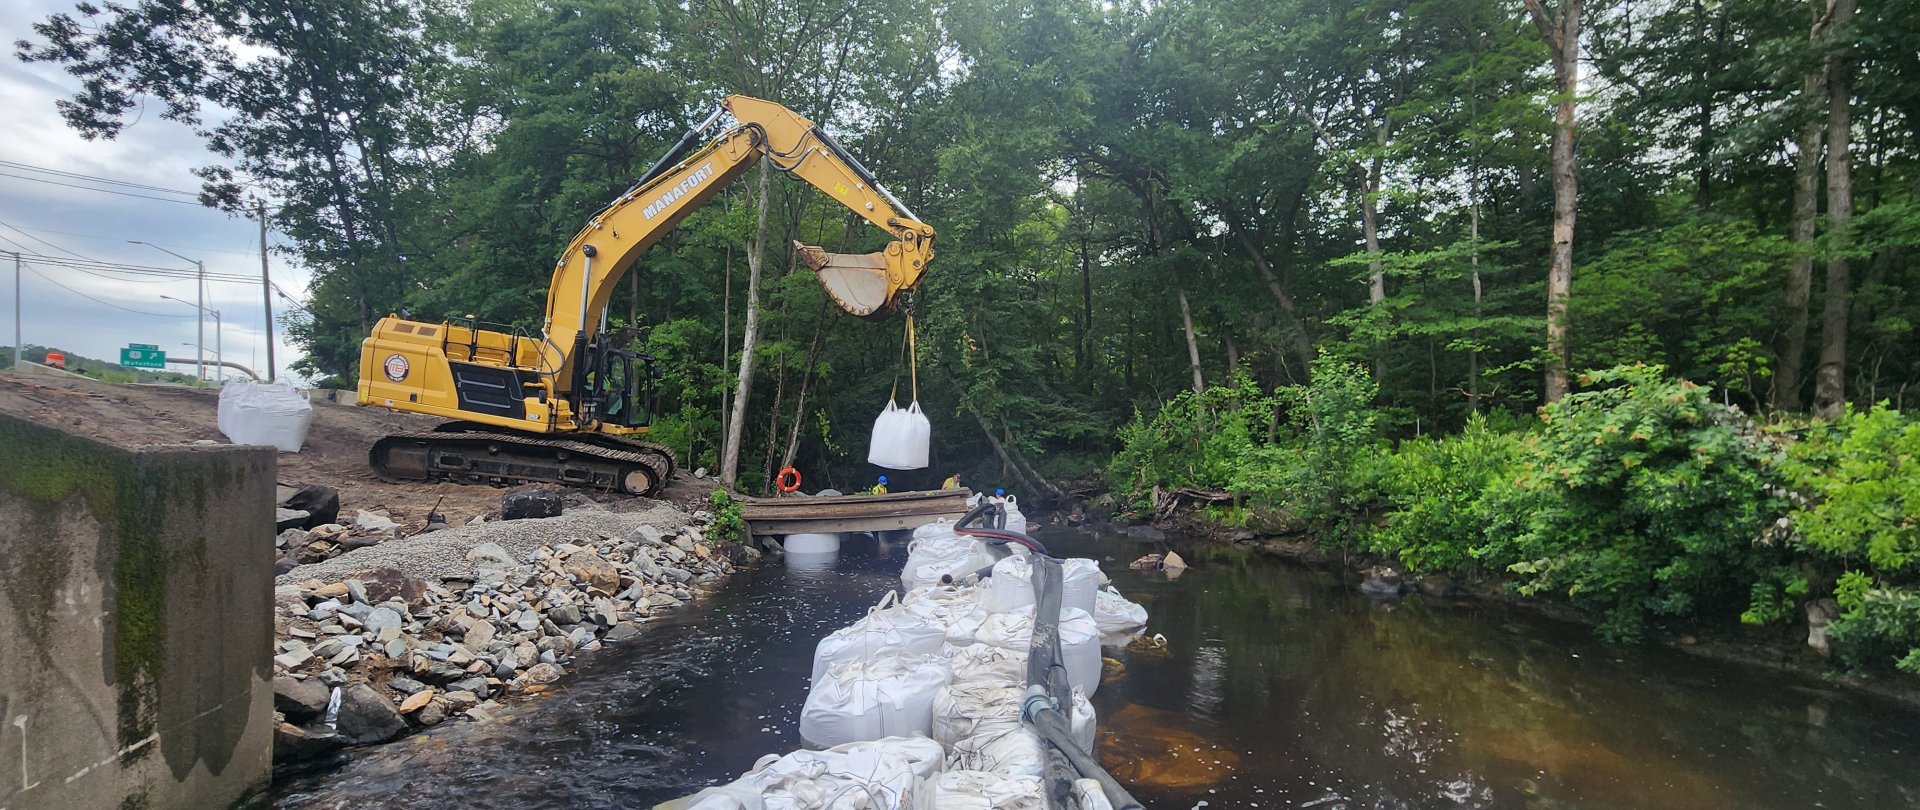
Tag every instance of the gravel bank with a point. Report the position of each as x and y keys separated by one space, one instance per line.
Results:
x=435 y=555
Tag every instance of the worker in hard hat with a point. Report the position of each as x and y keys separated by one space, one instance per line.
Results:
x=952 y=482
x=879 y=488
x=999 y=495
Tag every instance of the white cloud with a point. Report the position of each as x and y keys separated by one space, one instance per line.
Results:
x=97 y=225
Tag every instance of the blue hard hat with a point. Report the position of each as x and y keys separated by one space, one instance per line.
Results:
x=998 y=491
x=883 y=479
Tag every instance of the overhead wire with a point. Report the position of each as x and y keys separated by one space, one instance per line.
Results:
x=78 y=176
x=194 y=203
x=43 y=276
x=22 y=232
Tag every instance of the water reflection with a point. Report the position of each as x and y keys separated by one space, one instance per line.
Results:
x=1279 y=689
x=1342 y=701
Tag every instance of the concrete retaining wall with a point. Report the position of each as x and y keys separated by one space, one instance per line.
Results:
x=136 y=622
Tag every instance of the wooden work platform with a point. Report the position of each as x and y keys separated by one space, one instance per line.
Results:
x=796 y=514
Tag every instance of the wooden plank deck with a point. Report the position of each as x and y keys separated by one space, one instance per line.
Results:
x=795 y=514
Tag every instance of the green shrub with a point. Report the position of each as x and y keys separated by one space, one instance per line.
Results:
x=727 y=523
x=1640 y=497
x=1195 y=440
x=1883 y=628
x=1436 y=491
x=1857 y=481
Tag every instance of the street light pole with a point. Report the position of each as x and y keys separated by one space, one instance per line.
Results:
x=219 y=354
x=200 y=292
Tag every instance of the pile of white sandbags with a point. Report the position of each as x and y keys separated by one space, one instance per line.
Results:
x=921 y=699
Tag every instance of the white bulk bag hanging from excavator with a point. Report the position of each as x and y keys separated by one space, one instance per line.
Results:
x=901 y=435
x=562 y=406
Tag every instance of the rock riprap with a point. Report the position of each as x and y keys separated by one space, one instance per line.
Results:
x=439 y=626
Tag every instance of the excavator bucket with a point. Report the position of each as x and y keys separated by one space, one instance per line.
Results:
x=858 y=282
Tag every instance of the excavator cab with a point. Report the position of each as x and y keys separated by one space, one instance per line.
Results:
x=619 y=388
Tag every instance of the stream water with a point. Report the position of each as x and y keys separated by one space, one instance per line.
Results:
x=1278 y=687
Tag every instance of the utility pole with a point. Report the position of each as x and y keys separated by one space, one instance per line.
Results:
x=266 y=284
x=18 y=347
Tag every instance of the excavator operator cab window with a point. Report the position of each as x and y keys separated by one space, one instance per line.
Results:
x=624 y=397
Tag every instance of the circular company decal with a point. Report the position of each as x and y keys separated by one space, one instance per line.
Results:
x=396 y=367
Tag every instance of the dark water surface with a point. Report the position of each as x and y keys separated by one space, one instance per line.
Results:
x=1278 y=688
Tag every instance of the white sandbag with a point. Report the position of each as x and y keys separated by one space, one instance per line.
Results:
x=1079 y=639
x=985 y=662
x=942 y=605
x=264 y=413
x=889 y=696
x=1084 y=724
x=886 y=630
x=900 y=438
x=928 y=562
x=980 y=790
x=963 y=710
x=1013 y=752
x=942 y=528
x=886 y=774
x=1090 y=795
x=1016 y=520
x=1114 y=613
x=1011 y=586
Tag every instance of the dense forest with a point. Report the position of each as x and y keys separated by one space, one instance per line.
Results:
x=1597 y=296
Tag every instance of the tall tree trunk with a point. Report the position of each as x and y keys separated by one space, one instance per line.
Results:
x=1830 y=380
x=1193 y=343
x=1806 y=210
x=1562 y=32
x=806 y=383
x=1302 y=342
x=1473 y=255
x=750 y=337
x=1370 y=230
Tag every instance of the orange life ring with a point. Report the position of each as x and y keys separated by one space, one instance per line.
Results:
x=783 y=484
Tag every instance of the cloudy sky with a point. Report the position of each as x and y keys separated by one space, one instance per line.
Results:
x=55 y=301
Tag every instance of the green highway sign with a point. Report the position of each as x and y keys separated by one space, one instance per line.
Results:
x=141 y=355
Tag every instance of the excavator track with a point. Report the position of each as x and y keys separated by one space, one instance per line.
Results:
x=469 y=453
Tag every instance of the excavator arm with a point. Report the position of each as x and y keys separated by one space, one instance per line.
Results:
x=690 y=175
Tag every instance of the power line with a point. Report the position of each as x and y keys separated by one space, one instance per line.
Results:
x=130 y=269
x=193 y=203
x=41 y=241
x=251 y=254
x=78 y=176
x=43 y=276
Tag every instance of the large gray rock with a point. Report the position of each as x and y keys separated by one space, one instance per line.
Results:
x=1383 y=581
x=300 y=701
x=382 y=618
x=487 y=556
x=321 y=503
x=535 y=503
x=366 y=717
x=292 y=743
x=288 y=519
x=1147 y=533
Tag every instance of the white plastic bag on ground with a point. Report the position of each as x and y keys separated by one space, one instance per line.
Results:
x=886 y=774
x=264 y=413
x=900 y=438
x=886 y=630
x=889 y=696
x=1011 y=586
x=979 y=790
x=1114 y=613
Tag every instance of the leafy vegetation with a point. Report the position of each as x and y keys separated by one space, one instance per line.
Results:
x=1293 y=252
x=728 y=526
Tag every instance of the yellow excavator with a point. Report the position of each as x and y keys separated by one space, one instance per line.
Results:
x=559 y=407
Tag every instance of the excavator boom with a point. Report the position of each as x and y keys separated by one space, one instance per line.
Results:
x=548 y=408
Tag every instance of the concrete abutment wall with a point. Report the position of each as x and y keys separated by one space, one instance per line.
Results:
x=136 y=622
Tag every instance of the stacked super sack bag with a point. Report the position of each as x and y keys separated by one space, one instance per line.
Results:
x=917 y=704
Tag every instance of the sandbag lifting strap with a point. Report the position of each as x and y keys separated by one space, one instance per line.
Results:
x=910 y=350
